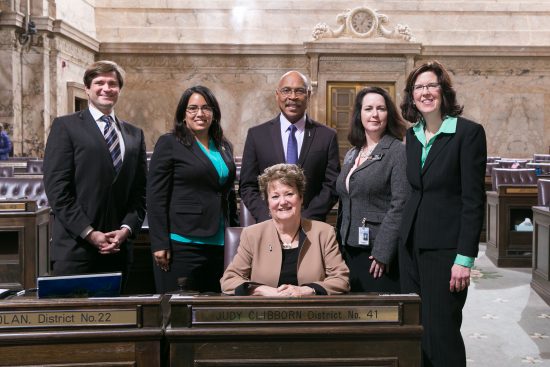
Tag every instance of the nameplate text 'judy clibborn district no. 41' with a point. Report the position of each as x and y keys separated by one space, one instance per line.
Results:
x=249 y=315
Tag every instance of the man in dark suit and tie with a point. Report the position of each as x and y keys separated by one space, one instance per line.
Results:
x=292 y=137
x=95 y=178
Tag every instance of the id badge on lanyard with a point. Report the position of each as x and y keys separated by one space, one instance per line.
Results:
x=363 y=233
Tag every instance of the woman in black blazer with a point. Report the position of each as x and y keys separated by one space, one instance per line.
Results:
x=373 y=188
x=191 y=197
x=446 y=156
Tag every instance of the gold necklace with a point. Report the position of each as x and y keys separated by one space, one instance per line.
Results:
x=287 y=245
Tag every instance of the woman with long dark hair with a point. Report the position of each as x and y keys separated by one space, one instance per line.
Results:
x=373 y=188
x=191 y=197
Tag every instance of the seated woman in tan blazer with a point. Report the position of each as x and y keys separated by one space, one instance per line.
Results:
x=288 y=255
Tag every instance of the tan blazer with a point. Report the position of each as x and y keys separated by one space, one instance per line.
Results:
x=259 y=258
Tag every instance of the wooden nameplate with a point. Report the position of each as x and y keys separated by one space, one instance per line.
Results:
x=18 y=205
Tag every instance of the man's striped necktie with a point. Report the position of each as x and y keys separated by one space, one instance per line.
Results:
x=111 y=138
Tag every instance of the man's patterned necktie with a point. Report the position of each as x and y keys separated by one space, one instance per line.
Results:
x=111 y=137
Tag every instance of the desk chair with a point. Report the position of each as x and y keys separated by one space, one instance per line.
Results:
x=245 y=216
x=513 y=177
x=543 y=192
x=541 y=157
x=232 y=239
x=6 y=171
x=13 y=188
x=508 y=163
x=35 y=166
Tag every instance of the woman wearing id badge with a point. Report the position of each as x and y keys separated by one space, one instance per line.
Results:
x=373 y=189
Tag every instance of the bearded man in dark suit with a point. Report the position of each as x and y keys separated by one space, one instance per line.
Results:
x=95 y=178
x=292 y=137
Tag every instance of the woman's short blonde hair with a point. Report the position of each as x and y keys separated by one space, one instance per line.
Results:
x=287 y=174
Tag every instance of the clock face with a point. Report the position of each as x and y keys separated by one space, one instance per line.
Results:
x=362 y=21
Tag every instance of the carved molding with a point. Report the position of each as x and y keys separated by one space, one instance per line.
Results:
x=354 y=64
x=8 y=40
x=495 y=66
x=12 y=19
x=486 y=51
x=148 y=48
x=349 y=47
x=65 y=29
x=365 y=58
x=363 y=22
x=75 y=91
x=73 y=51
x=244 y=62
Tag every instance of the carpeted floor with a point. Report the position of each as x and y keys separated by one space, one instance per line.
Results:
x=506 y=324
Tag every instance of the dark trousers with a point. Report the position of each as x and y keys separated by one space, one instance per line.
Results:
x=197 y=267
x=119 y=262
x=428 y=272
x=358 y=262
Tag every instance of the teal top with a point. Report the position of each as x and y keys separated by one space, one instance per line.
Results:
x=448 y=126
x=223 y=172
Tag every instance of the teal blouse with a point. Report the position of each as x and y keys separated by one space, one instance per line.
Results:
x=448 y=127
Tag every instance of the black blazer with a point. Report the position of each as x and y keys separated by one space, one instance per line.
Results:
x=83 y=188
x=446 y=206
x=318 y=158
x=184 y=194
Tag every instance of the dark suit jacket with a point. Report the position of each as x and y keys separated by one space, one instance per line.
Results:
x=446 y=206
x=184 y=195
x=318 y=158
x=83 y=188
x=259 y=259
x=378 y=190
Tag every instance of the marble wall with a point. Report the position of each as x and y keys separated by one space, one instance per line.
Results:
x=24 y=97
x=463 y=22
x=509 y=96
x=244 y=85
x=79 y=13
x=10 y=81
x=497 y=52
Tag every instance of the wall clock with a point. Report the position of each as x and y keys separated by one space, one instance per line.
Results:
x=362 y=22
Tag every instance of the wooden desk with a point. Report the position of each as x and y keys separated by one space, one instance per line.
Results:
x=81 y=332
x=349 y=330
x=24 y=239
x=506 y=208
x=541 y=252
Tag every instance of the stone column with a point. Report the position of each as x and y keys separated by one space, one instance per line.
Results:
x=35 y=97
x=10 y=84
x=24 y=80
